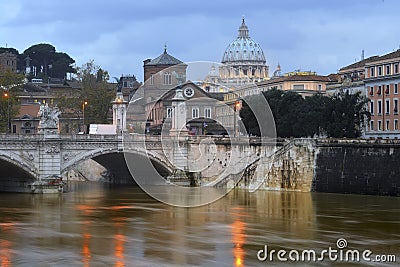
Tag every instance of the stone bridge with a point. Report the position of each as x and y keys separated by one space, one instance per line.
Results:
x=216 y=160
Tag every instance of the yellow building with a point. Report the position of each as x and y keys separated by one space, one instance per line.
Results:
x=306 y=83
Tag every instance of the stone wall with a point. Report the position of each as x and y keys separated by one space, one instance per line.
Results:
x=358 y=167
x=334 y=166
x=291 y=168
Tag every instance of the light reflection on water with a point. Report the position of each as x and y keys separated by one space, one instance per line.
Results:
x=99 y=226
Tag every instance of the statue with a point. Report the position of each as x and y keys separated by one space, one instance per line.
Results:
x=48 y=119
x=119 y=84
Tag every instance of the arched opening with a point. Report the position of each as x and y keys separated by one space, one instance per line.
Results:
x=117 y=171
x=13 y=178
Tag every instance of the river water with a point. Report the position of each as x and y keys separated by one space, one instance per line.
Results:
x=98 y=225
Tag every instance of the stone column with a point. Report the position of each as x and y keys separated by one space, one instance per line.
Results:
x=178 y=114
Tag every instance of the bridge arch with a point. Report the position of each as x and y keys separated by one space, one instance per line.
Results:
x=15 y=173
x=113 y=159
x=20 y=163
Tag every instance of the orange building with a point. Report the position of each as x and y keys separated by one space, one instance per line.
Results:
x=382 y=81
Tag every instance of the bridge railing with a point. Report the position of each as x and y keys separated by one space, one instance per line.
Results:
x=218 y=139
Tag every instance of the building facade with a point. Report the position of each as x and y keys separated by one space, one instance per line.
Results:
x=382 y=81
x=200 y=111
x=377 y=78
x=161 y=74
x=306 y=83
x=8 y=62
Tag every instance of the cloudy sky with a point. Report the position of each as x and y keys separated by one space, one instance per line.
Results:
x=316 y=35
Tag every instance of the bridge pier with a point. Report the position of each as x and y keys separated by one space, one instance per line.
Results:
x=49 y=158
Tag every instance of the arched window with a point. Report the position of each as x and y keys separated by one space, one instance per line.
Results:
x=167 y=78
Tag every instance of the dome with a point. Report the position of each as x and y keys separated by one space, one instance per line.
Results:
x=243 y=49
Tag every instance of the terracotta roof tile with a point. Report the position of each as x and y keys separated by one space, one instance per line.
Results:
x=29 y=109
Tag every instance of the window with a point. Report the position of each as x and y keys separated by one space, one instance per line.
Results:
x=298 y=87
x=195 y=113
x=125 y=84
x=379 y=107
x=396 y=124
x=169 y=112
x=379 y=125
x=167 y=78
x=371 y=90
x=379 y=90
x=372 y=69
x=396 y=88
x=387 y=91
x=387 y=106
x=320 y=87
x=371 y=125
x=396 y=68
x=387 y=69
x=380 y=71
x=151 y=79
x=387 y=125
x=371 y=109
x=207 y=112
x=395 y=106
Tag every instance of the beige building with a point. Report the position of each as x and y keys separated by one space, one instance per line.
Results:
x=8 y=61
x=306 y=83
x=200 y=111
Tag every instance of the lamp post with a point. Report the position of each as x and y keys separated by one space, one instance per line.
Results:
x=236 y=109
x=6 y=95
x=83 y=115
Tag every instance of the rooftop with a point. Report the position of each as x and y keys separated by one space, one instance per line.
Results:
x=164 y=59
x=362 y=63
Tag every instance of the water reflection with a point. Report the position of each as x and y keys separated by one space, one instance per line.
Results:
x=119 y=250
x=238 y=240
x=86 y=255
x=5 y=253
x=7 y=229
x=123 y=227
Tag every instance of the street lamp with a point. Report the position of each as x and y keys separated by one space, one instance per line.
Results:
x=6 y=95
x=83 y=115
x=236 y=109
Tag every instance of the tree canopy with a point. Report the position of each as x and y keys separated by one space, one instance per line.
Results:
x=95 y=92
x=10 y=84
x=44 y=58
x=48 y=62
x=341 y=115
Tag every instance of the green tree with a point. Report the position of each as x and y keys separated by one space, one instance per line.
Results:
x=346 y=115
x=96 y=92
x=286 y=107
x=10 y=84
x=48 y=62
x=342 y=115
x=314 y=115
